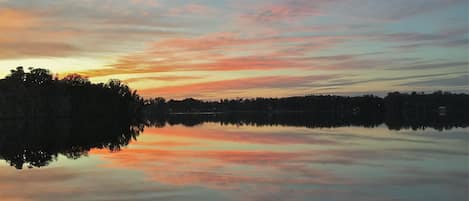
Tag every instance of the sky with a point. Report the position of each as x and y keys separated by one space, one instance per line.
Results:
x=213 y=49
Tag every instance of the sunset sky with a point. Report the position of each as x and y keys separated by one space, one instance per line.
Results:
x=211 y=49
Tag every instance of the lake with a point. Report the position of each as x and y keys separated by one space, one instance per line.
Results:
x=245 y=162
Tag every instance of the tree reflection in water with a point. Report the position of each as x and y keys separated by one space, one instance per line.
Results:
x=37 y=142
x=313 y=120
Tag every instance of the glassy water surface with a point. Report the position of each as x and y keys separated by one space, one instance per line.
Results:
x=211 y=161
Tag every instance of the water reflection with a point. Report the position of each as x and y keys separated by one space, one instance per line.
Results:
x=293 y=163
x=37 y=142
x=314 y=120
x=238 y=162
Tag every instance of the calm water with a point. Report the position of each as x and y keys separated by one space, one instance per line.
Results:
x=215 y=162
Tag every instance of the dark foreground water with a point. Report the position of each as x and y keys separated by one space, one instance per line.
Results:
x=246 y=163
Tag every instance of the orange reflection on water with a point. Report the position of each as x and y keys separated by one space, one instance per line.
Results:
x=212 y=162
x=198 y=156
x=221 y=168
x=265 y=157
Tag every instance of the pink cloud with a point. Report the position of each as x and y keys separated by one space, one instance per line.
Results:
x=237 y=84
x=192 y=9
x=217 y=52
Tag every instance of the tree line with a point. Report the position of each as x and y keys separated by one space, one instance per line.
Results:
x=416 y=110
x=394 y=104
x=323 y=103
x=38 y=93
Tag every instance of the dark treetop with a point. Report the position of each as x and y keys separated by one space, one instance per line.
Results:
x=37 y=93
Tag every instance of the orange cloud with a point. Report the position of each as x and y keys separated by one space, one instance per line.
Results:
x=16 y=19
x=164 y=143
x=20 y=38
x=62 y=30
x=237 y=84
x=162 y=78
x=205 y=54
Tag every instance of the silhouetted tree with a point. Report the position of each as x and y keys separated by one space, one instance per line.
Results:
x=76 y=80
x=37 y=77
x=16 y=75
x=37 y=94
